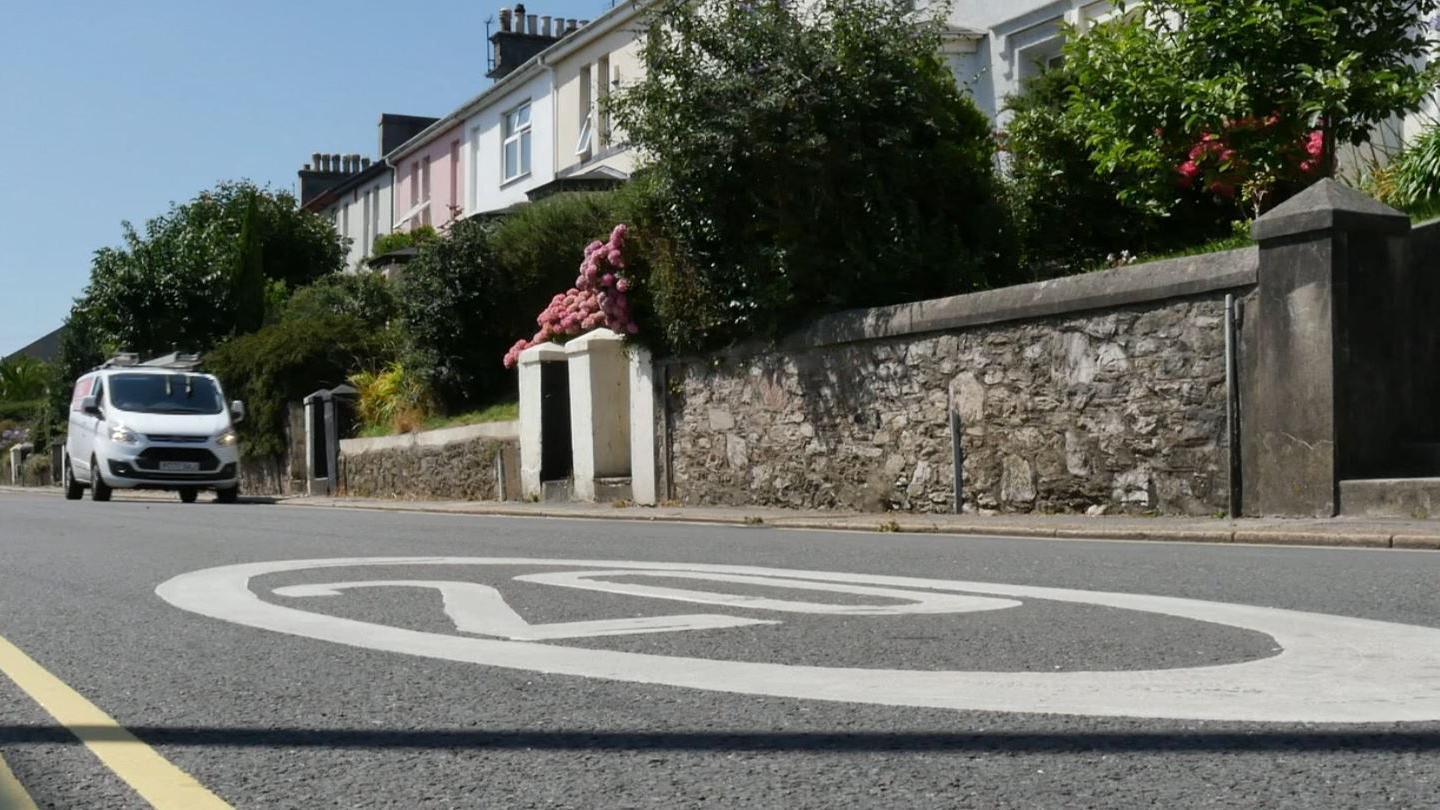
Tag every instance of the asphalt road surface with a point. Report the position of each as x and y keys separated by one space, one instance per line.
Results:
x=262 y=656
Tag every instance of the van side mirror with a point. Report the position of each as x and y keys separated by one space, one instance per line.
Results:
x=90 y=405
x=237 y=411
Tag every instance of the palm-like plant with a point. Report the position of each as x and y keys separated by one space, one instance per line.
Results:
x=23 y=379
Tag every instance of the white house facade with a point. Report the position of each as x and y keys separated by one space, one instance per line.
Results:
x=362 y=210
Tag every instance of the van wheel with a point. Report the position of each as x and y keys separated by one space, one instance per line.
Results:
x=74 y=490
x=99 y=490
x=188 y=494
x=227 y=495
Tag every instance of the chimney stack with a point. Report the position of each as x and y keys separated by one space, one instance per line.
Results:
x=522 y=35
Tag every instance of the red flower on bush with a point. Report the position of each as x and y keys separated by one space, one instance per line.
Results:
x=599 y=298
x=1223 y=163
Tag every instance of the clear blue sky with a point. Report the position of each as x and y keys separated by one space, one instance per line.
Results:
x=109 y=111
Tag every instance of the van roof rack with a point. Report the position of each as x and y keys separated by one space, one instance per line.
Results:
x=121 y=359
x=177 y=360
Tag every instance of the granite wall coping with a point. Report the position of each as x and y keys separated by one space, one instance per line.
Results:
x=499 y=431
x=1105 y=289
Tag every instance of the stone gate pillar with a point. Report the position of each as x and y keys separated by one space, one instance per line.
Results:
x=534 y=416
x=599 y=409
x=1325 y=376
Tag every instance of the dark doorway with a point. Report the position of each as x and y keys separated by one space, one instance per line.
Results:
x=319 y=439
x=555 y=461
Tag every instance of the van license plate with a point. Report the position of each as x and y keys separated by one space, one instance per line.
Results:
x=179 y=466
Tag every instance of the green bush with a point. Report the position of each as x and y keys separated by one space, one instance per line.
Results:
x=1411 y=181
x=804 y=160
x=463 y=308
x=370 y=297
x=286 y=361
x=392 y=400
x=1066 y=214
x=546 y=239
x=399 y=240
x=1243 y=101
x=37 y=470
x=22 y=411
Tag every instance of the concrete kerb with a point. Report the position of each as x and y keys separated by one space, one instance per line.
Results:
x=1359 y=535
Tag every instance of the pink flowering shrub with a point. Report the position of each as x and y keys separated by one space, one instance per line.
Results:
x=599 y=298
x=1248 y=157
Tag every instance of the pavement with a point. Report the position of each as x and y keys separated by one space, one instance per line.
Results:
x=1339 y=531
x=273 y=656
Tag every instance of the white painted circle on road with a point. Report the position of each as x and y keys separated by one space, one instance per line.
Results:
x=1331 y=669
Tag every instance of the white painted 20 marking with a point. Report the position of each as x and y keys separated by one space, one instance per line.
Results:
x=1330 y=668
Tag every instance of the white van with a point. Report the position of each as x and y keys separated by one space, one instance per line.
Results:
x=157 y=425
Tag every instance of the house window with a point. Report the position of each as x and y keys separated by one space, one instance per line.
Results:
x=425 y=179
x=454 y=177
x=367 y=236
x=374 y=219
x=602 y=99
x=586 y=111
x=414 y=183
x=516 y=151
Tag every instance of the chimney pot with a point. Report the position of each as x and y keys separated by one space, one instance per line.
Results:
x=519 y=18
x=545 y=24
x=571 y=24
x=532 y=22
x=505 y=20
x=364 y=163
x=315 y=160
x=584 y=23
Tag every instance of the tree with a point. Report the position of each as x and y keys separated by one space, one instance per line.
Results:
x=1244 y=100
x=199 y=272
x=806 y=159
x=462 y=309
x=283 y=362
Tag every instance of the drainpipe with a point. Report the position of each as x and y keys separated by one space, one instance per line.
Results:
x=1232 y=406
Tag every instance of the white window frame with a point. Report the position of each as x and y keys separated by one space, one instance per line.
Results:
x=520 y=137
x=582 y=145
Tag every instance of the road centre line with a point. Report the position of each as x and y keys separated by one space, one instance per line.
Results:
x=12 y=793
x=152 y=776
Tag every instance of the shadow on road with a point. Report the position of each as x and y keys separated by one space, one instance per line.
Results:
x=762 y=741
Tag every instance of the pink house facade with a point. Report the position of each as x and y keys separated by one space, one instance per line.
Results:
x=430 y=179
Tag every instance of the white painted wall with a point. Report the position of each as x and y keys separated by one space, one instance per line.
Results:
x=349 y=215
x=486 y=189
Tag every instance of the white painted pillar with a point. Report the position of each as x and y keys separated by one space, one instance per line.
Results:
x=531 y=439
x=642 y=427
x=599 y=409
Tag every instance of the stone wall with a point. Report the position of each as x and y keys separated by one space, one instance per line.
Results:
x=475 y=463
x=1107 y=391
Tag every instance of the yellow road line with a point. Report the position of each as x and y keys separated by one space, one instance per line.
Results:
x=12 y=793
x=152 y=776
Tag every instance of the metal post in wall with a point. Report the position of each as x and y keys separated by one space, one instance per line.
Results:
x=957 y=451
x=1232 y=405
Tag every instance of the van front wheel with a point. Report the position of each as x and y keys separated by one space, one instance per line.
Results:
x=99 y=490
x=74 y=490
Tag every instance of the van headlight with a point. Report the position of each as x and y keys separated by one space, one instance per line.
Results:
x=228 y=439
x=123 y=435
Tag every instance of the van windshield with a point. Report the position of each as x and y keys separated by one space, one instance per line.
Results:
x=165 y=393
